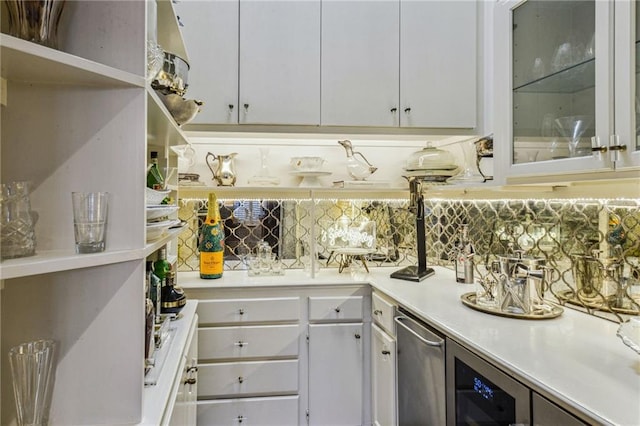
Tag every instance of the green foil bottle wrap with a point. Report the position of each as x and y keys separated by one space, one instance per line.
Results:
x=211 y=242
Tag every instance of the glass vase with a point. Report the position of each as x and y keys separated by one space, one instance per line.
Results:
x=32 y=373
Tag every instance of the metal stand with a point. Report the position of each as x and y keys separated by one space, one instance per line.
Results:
x=421 y=271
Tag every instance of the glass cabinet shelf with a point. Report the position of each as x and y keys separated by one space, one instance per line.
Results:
x=573 y=79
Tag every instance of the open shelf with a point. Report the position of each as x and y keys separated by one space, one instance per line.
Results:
x=161 y=125
x=30 y=62
x=169 y=34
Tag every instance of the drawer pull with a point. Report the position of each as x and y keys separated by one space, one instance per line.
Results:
x=240 y=379
x=192 y=369
x=377 y=312
x=241 y=311
x=357 y=335
x=337 y=310
x=386 y=353
x=241 y=419
x=241 y=344
x=190 y=381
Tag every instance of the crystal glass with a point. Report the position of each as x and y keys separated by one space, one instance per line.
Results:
x=90 y=220
x=17 y=232
x=470 y=172
x=264 y=177
x=33 y=376
x=572 y=128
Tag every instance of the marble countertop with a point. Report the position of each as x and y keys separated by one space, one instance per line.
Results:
x=575 y=359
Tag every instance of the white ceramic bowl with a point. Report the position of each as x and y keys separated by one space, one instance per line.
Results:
x=307 y=163
x=157 y=230
x=156 y=212
x=155 y=197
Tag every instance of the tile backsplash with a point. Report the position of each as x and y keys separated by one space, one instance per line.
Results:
x=560 y=231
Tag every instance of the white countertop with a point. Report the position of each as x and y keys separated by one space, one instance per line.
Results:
x=575 y=359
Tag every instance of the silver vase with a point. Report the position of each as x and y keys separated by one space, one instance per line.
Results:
x=35 y=20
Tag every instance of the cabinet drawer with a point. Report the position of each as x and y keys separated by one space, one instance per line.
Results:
x=228 y=379
x=344 y=308
x=248 y=342
x=228 y=311
x=382 y=313
x=275 y=411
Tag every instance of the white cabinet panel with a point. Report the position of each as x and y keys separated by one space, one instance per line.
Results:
x=335 y=308
x=210 y=33
x=248 y=342
x=382 y=313
x=276 y=411
x=279 y=62
x=383 y=377
x=336 y=374
x=221 y=311
x=247 y=378
x=360 y=56
x=438 y=69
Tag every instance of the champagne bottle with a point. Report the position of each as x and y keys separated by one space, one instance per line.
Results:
x=155 y=180
x=211 y=242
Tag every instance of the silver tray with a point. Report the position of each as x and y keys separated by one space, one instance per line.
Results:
x=551 y=311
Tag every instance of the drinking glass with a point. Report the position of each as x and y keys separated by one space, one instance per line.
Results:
x=32 y=373
x=35 y=20
x=17 y=226
x=90 y=220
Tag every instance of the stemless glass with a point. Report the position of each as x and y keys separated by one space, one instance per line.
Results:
x=33 y=376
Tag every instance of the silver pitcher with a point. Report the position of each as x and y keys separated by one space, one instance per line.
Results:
x=224 y=173
x=522 y=282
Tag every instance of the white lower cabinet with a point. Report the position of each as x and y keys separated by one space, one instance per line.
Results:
x=185 y=410
x=336 y=367
x=383 y=377
x=275 y=411
x=267 y=358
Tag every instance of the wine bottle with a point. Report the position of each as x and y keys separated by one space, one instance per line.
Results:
x=211 y=242
x=155 y=180
x=161 y=266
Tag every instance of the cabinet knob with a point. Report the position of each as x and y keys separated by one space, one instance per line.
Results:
x=192 y=369
x=407 y=110
x=377 y=312
x=386 y=353
x=357 y=335
x=190 y=381
x=241 y=419
x=337 y=310
x=230 y=107
x=246 y=107
x=241 y=344
x=241 y=311
x=240 y=379
x=394 y=110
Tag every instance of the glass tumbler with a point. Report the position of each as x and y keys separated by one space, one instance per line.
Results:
x=35 y=20
x=90 y=220
x=33 y=376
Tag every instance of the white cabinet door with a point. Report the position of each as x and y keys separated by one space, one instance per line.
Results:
x=279 y=62
x=438 y=64
x=360 y=57
x=210 y=32
x=336 y=374
x=383 y=377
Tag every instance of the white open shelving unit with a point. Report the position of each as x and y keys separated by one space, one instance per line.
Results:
x=83 y=118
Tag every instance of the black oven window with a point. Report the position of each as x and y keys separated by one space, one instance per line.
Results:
x=479 y=401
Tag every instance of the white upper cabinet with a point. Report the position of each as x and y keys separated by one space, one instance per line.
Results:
x=279 y=62
x=360 y=57
x=254 y=62
x=210 y=31
x=565 y=88
x=438 y=64
x=627 y=81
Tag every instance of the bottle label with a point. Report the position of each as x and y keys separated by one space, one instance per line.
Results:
x=211 y=264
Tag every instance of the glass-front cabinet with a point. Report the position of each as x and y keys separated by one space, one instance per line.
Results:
x=566 y=86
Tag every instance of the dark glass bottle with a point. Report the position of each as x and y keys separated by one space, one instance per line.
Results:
x=155 y=180
x=211 y=242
